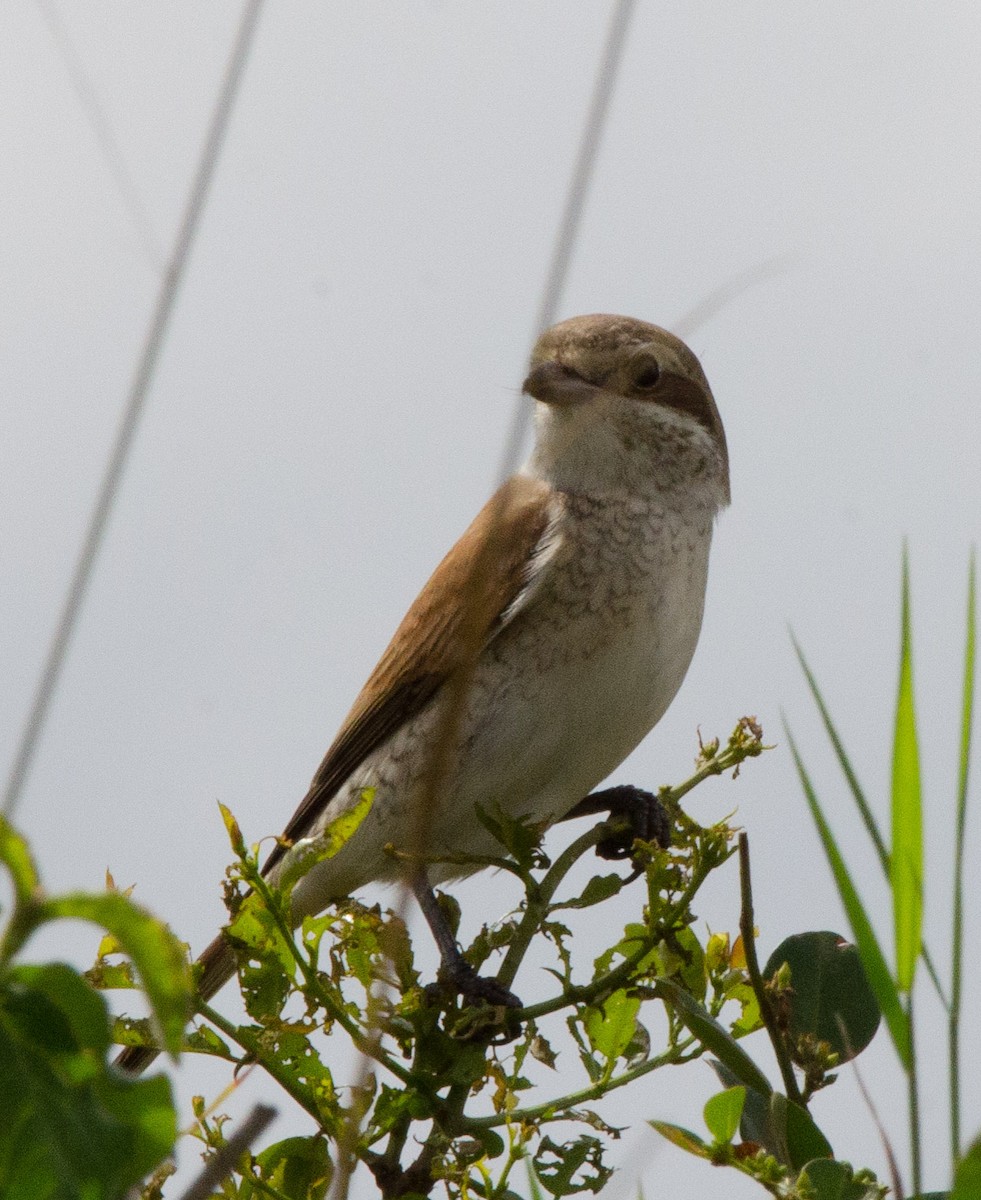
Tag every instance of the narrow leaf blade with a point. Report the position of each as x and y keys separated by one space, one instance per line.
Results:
x=858 y=793
x=906 y=865
x=876 y=969
x=712 y=1035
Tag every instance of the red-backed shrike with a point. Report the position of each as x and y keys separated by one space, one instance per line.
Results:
x=548 y=642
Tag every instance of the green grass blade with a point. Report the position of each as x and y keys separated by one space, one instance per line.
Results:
x=906 y=873
x=876 y=969
x=957 y=935
x=858 y=795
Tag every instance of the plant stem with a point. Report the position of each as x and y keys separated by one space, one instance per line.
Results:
x=584 y=993
x=594 y=1092
x=914 y=1102
x=748 y=931
x=957 y=933
x=539 y=900
x=303 y=1096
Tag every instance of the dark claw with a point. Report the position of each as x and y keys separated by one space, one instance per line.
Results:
x=647 y=816
x=457 y=974
x=490 y=1015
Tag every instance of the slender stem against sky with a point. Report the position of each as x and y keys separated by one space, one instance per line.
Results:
x=139 y=389
x=575 y=201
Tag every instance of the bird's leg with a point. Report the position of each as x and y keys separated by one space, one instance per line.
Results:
x=648 y=819
x=454 y=969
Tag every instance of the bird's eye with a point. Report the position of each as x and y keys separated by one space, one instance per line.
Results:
x=645 y=373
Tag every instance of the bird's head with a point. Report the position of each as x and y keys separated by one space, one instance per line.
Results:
x=621 y=401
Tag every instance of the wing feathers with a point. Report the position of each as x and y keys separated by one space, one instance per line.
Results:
x=474 y=591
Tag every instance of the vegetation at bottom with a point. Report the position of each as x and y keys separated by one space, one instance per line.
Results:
x=466 y=1099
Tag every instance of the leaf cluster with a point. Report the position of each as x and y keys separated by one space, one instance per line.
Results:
x=69 y=1124
x=455 y=1095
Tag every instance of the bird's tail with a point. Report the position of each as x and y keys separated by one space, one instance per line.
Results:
x=217 y=966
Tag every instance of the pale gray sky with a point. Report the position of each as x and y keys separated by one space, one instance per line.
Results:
x=344 y=364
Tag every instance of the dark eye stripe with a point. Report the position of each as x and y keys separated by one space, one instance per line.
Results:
x=686 y=396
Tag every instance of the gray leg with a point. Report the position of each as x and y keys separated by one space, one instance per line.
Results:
x=454 y=969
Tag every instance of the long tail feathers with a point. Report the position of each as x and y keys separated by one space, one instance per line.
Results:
x=217 y=965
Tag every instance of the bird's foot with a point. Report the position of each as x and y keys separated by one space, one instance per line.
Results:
x=648 y=819
x=456 y=975
x=490 y=1011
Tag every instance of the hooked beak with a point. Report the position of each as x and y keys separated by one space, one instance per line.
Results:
x=552 y=383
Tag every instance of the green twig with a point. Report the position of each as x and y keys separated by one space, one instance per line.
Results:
x=586 y=993
x=253 y=1048
x=595 y=1091
x=539 y=899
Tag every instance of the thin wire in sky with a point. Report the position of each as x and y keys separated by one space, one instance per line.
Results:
x=575 y=201
x=93 y=108
x=715 y=301
x=135 y=404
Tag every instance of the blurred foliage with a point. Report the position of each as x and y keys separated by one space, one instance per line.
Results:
x=70 y=1125
x=455 y=1095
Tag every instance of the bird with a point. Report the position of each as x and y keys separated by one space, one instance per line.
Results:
x=547 y=643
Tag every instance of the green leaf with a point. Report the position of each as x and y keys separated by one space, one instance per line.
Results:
x=858 y=794
x=298 y=1167
x=265 y=989
x=836 y=1181
x=805 y=1141
x=28 y=897
x=308 y=853
x=16 y=857
x=683 y=1138
x=830 y=997
x=723 y=1111
x=692 y=966
x=782 y=1128
x=519 y=836
x=599 y=888
x=610 y=1026
x=159 y=957
x=712 y=1035
x=754 y=1123
x=70 y=1125
x=395 y=1104
x=255 y=927
x=233 y=830
x=204 y=1040
x=876 y=970
x=574 y=1166
x=54 y=1006
x=960 y=827
x=967 y=1175
x=487 y=1143
x=906 y=863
